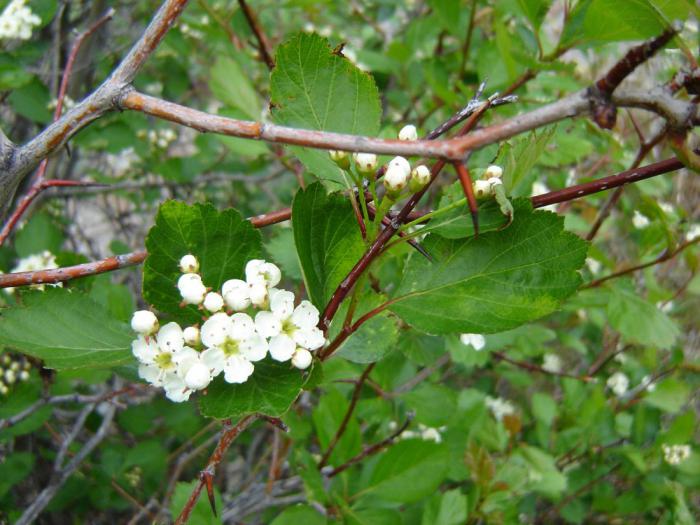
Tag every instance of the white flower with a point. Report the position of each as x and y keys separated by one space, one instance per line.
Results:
x=494 y=171
x=618 y=383
x=192 y=369
x=593 y=265
x=189 y=264
x=499 y=407
x=477 y=341
x=430 y=434
x=258 y=271
x=551 y=363
x=232 y=346
x=236 y=294
x=397 y=173
x=639 y=220
x=191 y=335
x=482 y=188
x=675 y=454
x=365 y=162
x=17 y=21
x=302 y=358
x=144 y=322
x=693 y=232
x=213 y=302
x=408 y=132
x=289 y=327
x=191 y=288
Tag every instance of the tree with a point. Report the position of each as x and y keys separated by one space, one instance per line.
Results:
x=422 y=341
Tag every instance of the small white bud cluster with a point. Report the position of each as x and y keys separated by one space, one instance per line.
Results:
x=499 y=407
x=17 y=21
x=552 y=363
x=618 y=383
x=484 y=187
x=341 y=158
x=399 y=174
x=675 y=454
x=158 y=138
x=232 y=338
x=477 y=341
x=13 y=370
x=68 y=103
x=38 y=261
x=423 y=432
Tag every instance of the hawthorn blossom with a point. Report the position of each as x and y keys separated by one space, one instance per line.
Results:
x=287 y=327
x=499 y=407
x=618 y=383
x=17 y=21
x=477 y=341
x=675 y=454
x=551 y=363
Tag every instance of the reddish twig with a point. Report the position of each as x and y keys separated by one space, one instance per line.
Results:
x=39 y=184
x=263 y=45
x=229 y=435
x=346 y=418
x=371 y=450
x=466 y=181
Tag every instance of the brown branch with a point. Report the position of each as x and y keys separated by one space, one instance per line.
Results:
x=263 y=45
x=227 y=438
x=665 y=256
x=346 y=418
x=501 y=356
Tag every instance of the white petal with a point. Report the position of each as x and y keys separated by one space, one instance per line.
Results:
x=175 y=389
x=253 y=348
x=144 y=322
x=302 y=358
x=191 y=335
x=187 y=280
x=213 y=302
x=305 y=315
x=215 y=329
x=170 y=338
x=193 y=294
x=144 y=351
x=238 y=369
x=236 y=294
x=253 y=271
x=215 y=359
x=272 y=274
x=258 y=294
x=242 y=327
x=198 y=377
x=310 y=339
x=282 y=347
x=267 y=324
x=150 y=373
x=281 y=303
x=185 y=359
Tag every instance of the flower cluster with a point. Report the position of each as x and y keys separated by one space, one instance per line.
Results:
x=552 y=363
x=675 y=454
x=477 y=341
x=161 y=138
x=485 y=186
x=230 y=340
x=499 y=407
x=618 y=383
x=13 y=369
x=38 y=261
x=17 y=21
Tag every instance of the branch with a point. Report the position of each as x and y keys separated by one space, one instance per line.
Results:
x=60 y=477
x=227 y=438
x=263 y=45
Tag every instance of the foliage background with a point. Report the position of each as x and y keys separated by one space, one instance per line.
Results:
x=571 y=452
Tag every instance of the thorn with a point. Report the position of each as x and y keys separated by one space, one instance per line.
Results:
x=277 y=422
x=468 y=189
x=475 y=222
x=209 y=483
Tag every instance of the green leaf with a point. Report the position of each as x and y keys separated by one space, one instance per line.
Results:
x=544 y=408
x=314 y=88
x=535 y=11
x=494 y=283
x=223 y=242
x=299 y=514
x=449 y=508
x=270 y=391
x=547 y=479
x=327 y=417
x=408 y=471
x=230 y=84
x=201 y=513
x=374 y=339
x=670 y=396
x=39 y=234
x=327 y=238
x=519 y=159
x=283 y=253
x=15 y=467
x=640 y=321
x=65 y=329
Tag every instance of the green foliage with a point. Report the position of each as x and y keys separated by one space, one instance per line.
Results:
x=66 y=330
x=494 y=283
x=201 y=514
x=308 y=80
x=223 y=242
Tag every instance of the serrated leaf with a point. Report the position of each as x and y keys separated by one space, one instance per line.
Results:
x=229 y=84
x=493 y=283
x=519 y=159
x=222 y=241
x=408 y=471
x=314 y=88
x=270 y=391
x=65 y=329
x=535 y=11
x=327 y=238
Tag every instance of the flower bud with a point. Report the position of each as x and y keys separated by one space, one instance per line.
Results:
x=24 y=375
x=191 y=288
x=482 y=189
x=258 y=294
x=213 y=302
x=408 y=132
x=493 y=171
x=197 y=377
x=341 y=158
x=302 y=358
x=494 y=181
x=191 y=336
x=366 y=163
x=189 y=264
x=144 y=322
x=396 y=176
x=420 y=177
x=236 y=294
